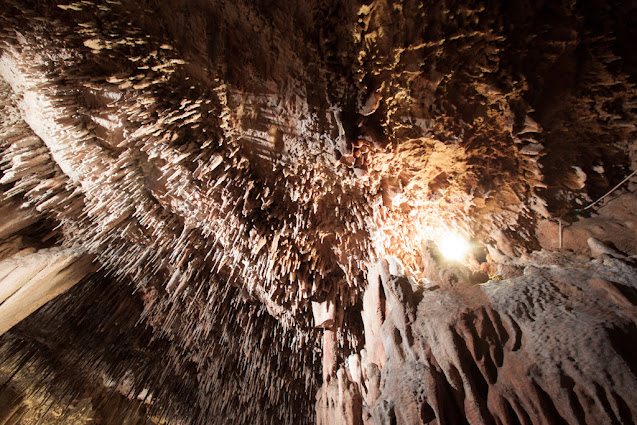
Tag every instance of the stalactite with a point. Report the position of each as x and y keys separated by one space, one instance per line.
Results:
x=234 y=171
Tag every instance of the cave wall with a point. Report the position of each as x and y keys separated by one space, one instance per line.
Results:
x=553 y=345
x=237 y=171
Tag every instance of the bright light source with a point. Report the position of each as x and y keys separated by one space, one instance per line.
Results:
x=453 y=246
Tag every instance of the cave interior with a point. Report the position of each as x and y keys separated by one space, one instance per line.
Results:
x=331 y=212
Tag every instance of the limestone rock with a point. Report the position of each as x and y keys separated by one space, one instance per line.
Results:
x=552 y=346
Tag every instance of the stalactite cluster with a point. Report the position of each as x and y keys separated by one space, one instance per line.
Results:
x=218 y=183
x=167 y=183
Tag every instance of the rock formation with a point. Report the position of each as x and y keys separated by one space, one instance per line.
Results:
x=218 y=212
x=553 y=345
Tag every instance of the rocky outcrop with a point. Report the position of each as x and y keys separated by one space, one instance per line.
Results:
x=553 y=345
x=30 y=280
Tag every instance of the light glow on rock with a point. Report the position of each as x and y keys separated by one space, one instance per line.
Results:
x=453 y=246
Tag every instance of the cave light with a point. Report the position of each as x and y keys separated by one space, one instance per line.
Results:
x=453 y=246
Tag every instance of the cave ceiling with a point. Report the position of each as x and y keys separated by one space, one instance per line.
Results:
x=233 y=168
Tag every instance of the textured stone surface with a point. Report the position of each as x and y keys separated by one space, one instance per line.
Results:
x=554 y=345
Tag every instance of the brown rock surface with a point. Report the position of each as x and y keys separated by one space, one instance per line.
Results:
x=555 y=345
x=237 y=169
